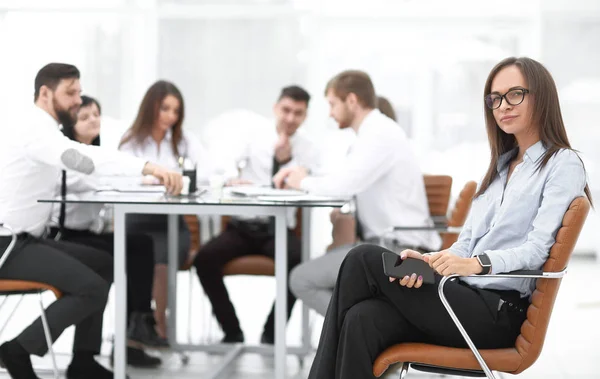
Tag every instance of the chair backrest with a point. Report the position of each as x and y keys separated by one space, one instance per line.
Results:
x=459 y=213
x=533 y=331
x=438 y=189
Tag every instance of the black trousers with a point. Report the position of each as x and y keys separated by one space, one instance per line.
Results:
x=233 y=243
x=139 y=260
x=156 y=226
x=82 y=273
x=367 y=314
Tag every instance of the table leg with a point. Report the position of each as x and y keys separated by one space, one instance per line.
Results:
x=281 y=298
x=120 y=279
x=173 y=265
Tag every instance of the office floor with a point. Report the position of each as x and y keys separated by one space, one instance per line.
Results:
x=572 y=348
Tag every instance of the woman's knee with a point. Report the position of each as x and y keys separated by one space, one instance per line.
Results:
x=364 y=252
x=206 y=261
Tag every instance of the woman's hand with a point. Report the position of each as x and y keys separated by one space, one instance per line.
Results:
x=410 y=281
x=172 y=180
x=446 y=263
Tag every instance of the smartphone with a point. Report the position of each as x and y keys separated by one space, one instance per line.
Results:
x=396 y=267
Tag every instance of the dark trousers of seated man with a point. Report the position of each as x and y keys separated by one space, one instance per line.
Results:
x=83 y=274
x=239 y=239
x=139 y=263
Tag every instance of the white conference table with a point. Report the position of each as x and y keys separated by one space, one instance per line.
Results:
x=205 y=204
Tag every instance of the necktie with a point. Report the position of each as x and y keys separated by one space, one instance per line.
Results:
x=63 y=205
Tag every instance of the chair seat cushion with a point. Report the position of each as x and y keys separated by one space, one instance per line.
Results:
x=14 y=287
x=505 y=360
x=250 y=265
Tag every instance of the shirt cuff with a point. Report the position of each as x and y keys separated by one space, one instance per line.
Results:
x=134 y=166
x=498 y=264
x=308 y=184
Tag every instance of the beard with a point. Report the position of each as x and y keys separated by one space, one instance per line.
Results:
x=66 y=117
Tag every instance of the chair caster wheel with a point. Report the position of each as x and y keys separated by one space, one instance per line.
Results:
x=185 y=359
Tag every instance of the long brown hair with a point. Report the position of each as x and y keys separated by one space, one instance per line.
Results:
x=148 y=114
x=546 y=115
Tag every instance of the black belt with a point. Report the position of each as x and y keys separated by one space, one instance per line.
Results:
x=511 y=300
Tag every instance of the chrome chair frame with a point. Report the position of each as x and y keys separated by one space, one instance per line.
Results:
x=5 y=256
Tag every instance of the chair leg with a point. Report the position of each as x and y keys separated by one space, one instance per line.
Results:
x=3 y=301
x=488 y=373
x=48 y=337
x=404 y=370
x=190 y=302
x=11 y=313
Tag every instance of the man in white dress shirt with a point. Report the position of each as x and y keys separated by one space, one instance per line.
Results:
x=281 y=146
x=382 y=174
x=32 y=154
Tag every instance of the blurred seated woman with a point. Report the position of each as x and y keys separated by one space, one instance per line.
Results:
x=157 y=134
x=532 y=178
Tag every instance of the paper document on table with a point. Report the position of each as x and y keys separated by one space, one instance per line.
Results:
x=134 y=188
x=262 y=191
x=299 y=198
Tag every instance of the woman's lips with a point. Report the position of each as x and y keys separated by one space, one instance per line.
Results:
x=508 y=118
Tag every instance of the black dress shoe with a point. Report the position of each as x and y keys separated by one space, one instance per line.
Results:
x=138 y=358
x=267 y=339
x=16 y=360
x=88 y=368
x=235 y=337
x=141 y=331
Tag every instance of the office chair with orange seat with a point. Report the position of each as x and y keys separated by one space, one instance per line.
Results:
x=437 y=188
x=528 y=345
x=22 y=288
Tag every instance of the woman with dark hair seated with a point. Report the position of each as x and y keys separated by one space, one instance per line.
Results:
x=86 y=224
x=533 y=176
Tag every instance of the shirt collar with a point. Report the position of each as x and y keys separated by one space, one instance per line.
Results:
x=533 y=153
x=167 y=138
x=168 y=135
x=373 y=113
x=47 y=116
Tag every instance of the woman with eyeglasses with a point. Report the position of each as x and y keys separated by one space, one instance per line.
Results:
x=532 y=178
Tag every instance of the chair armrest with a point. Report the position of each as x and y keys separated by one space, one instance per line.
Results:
x=534 y=274
x=435 y=228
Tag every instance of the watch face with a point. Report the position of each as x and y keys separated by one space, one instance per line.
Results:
x=484 y=260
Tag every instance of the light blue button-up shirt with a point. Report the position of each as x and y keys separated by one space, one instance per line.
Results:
x=515 y=223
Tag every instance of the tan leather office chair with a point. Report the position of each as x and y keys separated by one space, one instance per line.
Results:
x=256 y=264
x=459 y=213
x=22 y=288
x=528 y=346
x=437 y=188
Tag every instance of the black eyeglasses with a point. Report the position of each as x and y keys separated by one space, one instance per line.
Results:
x=513 y=97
